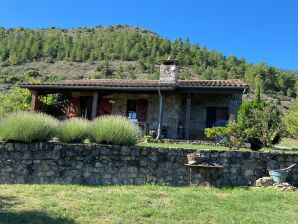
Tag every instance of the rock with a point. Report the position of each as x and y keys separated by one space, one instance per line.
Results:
x=248 y=172
x=192 y=162
x=27 y=155
x=264 y=182
x=284 y=187
x=205 y=184
x=125 y=151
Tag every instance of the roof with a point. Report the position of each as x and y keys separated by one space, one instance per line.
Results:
x=117 y=84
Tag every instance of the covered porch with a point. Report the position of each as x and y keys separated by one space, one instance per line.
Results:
x=179 y=110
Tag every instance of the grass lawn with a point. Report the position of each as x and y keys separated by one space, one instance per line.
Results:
x=144 y=204
x=288 y=142
x=212 y=147
x=184 y=146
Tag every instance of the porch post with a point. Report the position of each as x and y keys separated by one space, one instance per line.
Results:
x=233 y=108
x=34 y=101
x=187 y=118
x=160 y=115
x=94 y=105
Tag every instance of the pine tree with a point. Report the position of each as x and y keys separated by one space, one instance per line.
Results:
x=291 y=120
x=257 y=96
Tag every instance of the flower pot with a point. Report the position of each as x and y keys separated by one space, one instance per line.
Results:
x=279 y=176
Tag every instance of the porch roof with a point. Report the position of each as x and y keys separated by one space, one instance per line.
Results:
x=137 y=85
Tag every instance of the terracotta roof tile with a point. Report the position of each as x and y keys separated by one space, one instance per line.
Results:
x=117 y=83
x=211 y=83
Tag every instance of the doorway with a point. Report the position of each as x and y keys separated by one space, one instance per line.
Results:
x=210 y=117
x=86 y=107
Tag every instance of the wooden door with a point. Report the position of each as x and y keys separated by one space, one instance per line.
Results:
x=105 y=107
x=142 y=109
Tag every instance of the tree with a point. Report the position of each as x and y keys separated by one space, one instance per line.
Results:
x=14 y=100
x=127 y=43
x=267 y=125
x=291 y=120
x=257 y=96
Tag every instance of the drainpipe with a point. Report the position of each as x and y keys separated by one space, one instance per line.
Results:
x=160 y=115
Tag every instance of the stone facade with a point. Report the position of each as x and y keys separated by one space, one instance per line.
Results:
x=198 y=112
x=171 y=112
x=174 y=108
x=102 y=164
x=168 y=73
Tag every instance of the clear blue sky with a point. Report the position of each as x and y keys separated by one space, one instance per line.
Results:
x=258 y=30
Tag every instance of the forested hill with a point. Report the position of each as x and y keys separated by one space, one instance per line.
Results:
x=122 y=52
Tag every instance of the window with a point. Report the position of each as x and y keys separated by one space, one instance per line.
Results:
x=217 y=116
x=132 y=110
x=137 y=110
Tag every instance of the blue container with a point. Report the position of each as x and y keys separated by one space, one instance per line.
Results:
x=279 y=176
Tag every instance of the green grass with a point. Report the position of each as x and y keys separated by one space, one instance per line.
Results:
x=207 y=147
x=184 y=146
x=289 y=142
x=144 y=204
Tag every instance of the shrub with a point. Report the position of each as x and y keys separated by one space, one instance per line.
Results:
x=232 y=136
x=147 y=139
x=291 y=120
x=267 y=125
x=74 y=130
x=116 y=130
x=264 y=121
x=27 y=127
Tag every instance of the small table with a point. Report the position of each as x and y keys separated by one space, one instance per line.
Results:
x=191 y=167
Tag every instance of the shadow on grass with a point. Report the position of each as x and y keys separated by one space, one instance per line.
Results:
x=9 y=216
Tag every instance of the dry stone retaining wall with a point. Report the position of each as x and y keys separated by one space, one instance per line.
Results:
x=103 y=164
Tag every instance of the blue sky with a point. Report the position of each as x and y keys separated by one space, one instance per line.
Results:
x=258 y=30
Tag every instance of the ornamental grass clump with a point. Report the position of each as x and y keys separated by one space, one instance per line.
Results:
x=73 y=130
x=27 y=127
x=116 y=130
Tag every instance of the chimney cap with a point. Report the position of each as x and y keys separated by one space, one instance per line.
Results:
x=169 y=61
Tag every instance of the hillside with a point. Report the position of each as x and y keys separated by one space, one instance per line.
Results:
x=122 y=52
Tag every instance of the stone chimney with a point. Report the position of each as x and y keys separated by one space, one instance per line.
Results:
x=168 y=70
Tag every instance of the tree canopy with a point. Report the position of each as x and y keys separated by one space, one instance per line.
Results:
x=126 y=43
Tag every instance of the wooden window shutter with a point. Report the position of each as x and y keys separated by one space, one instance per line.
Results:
x=73 y=108
x=142 y=107
x=105 y=107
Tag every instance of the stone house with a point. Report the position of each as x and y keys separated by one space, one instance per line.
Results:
x=176 y=109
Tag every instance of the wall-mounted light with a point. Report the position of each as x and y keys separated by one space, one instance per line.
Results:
x=112 y=101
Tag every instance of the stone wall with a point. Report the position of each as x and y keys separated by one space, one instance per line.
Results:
x=102 y=164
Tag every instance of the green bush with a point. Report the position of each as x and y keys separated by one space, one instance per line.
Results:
x=263 y=120
x=74 y=130
x=232 y=136
x=116 y=130
x=267 y=125
x=27 y=127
